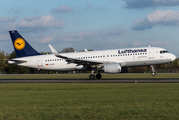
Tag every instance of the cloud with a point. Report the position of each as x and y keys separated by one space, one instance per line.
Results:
x=40 y=22
x=89 y=5
x=136 y=43
x=62 y=9
x=80 y=36
x=116 y=32
x=47 y=39
x=5 y=19
x=122 y=44
x=158 y=18
x=140 y=4
x=30 y=24
x=157 y=43
x=84 y=35
x=14 y=10
x=4 y=37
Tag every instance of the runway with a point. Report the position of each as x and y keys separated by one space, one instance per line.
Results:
x=90 y=81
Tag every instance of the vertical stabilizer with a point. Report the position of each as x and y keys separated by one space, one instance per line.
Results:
x=21 y=46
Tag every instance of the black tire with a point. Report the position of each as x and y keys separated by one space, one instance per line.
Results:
x=98 y=76
x=153 y=73
x=91 y=76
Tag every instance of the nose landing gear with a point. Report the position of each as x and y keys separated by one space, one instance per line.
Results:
x=152 y=70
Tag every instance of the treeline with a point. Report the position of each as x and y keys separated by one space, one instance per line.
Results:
x=6 y=68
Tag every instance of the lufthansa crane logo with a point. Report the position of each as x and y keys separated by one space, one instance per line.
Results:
x=19 y=43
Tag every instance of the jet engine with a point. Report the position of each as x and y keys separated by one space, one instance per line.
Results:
x=80 y=67
x=112 y=68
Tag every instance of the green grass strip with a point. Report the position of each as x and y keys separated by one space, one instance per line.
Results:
x=86 y=76
x=74 y=101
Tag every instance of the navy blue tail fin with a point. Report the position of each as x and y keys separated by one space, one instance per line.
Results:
x=21 y=46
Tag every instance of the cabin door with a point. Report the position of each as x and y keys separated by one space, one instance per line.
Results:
x=40 y=61
x=151 y=53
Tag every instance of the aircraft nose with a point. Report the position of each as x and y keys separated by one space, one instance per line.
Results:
x=173 y=57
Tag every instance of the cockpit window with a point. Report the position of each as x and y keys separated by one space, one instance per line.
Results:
x=163 y=51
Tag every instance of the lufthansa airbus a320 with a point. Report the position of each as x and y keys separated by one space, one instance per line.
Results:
x=109 y=61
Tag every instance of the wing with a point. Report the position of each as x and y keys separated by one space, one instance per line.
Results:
x=80 y=61
x=85 y=62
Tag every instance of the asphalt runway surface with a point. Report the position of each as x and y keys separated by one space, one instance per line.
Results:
x=90 y=81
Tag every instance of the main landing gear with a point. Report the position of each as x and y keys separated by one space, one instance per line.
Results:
x=152 y=70
x=92 y=76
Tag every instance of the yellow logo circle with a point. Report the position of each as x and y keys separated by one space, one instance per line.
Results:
x=19 y=43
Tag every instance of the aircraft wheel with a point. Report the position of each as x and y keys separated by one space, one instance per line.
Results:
x=153 y=73
x=91 y=76
x=98 y=76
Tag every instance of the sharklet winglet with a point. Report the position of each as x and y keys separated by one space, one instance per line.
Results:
x=53 y=50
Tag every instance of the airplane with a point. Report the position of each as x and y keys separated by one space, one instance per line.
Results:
x=110 y=61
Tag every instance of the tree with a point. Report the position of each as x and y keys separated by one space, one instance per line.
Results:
x=67 y=50
x=3 y=62
x=14 y=69
x=87 y=50
x=176 y=62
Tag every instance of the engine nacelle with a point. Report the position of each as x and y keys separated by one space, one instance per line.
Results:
x=112 y=68
x=81 y=68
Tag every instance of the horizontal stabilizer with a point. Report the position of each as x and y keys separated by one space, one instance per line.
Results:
x=18 y=60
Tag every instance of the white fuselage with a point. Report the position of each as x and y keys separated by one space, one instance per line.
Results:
x=126 y=57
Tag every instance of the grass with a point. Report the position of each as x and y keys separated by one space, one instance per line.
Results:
x=86 y=76
x=74 y=101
